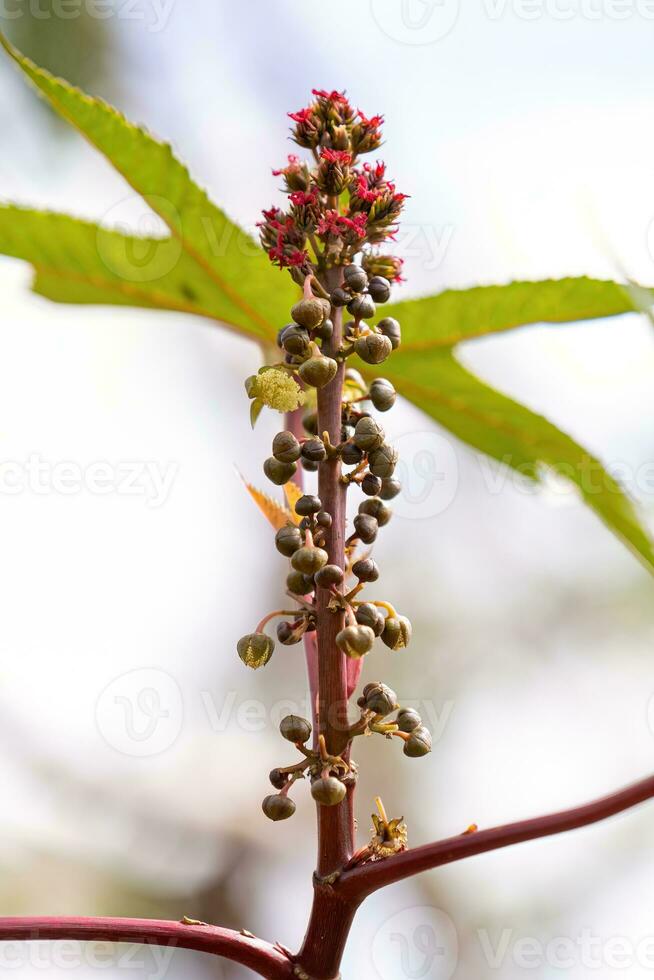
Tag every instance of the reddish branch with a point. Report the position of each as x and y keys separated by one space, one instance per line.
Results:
x=360 y=882
x=263 y=958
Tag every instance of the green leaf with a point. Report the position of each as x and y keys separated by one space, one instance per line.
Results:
x=455 y=315
x=249 y=293
x=509 y=432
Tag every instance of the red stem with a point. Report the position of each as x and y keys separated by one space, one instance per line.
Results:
x=356 y=884
x=262 y=957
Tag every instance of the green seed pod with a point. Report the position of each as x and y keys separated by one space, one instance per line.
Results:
x=309 y=313
x=366 y=528
x=307 y=505
x=287 y=540
x=376 y=508
x=310 y=423
x=278 y=778
x=309 y=560
x=355 y=641
x=329 y=575
x=370 y=615
x=355 y=278
x=278 y=807
x=309 y=466
x=326 y=307
x=278 y=473
x=299 y=584
x=355 y=378
x=408 y=720
x=340 y=297
x=382 y=394
x=371 y=485
x=296 y=341
x=380 y=699
x=295 y=729
x=255 y=649
x=397 y=632
x=380 y=289
x=366 y=570
x=323 y=519
x=390 y=328
x=390 y=488
x=351 y=454
x=285 y=447
x=328 y=791
x=382 y=462
x=362 y=307
x=325 y=330
x=373 y=348
x=314 y=450
x=368 y=435
x=418 y=743
x=318 y=371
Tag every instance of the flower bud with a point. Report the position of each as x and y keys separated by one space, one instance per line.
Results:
x=376 y=508
x=328 y=791
x=288 y=634
x=308 y=504
x=390 y=488
x=325 y=330
x=370 y=615
x=340 y=297
x=373 y=348
x=382 y=394
x=379 y=698
x=355 y=278
x=366 y=570
x=278 y=778
x=324 y=519
x=287 y=540
x=295 y=340
x=295 y=729
x=390 y=328
x=380 y=289
x=278 y=473
x=418 y=743
x=368 y=435
x=285 y=447
x=371 y=485
x=382 y=461
x=309 y=313
x=309 y=560
x=318 y=371
x=361 y=307
x=314 y=450
x=299 y=584
x=355 y=641
x=329 y=575
x=351 y=454
x=255 y=649
x=366 y=528
x=408 y=720
x=278 y=807
x=310 y=423
x=397 y=632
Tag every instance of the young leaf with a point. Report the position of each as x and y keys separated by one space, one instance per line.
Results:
x=248 y=292
x=277 y=515
x=519 y=438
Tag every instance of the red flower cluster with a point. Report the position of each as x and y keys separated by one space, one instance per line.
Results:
x=336 y=208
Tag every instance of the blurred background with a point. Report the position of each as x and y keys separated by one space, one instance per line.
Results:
x=134 y=747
